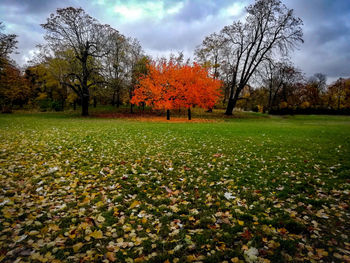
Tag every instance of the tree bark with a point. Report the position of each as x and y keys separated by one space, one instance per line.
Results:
x=232 y=101
x=113 y=98
x=230 y=106
x=270 y=99
x=189 y=114
x=118 y=100
x=63 y=102
x=85 y=104
x=168 y=114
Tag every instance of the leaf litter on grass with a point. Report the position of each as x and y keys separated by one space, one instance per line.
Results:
x=105 y=191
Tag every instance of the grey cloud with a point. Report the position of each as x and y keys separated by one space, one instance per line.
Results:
x=326 y=35
x=172 y=35
x=36 y=7
x=326 y=27
x=198 y=10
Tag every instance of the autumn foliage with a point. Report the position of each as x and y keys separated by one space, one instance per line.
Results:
x=13 y=88
x=169 y=85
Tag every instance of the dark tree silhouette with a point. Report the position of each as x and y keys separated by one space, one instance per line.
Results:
x=71 y=28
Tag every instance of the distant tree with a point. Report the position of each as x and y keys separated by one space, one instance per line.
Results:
x=115 y=67
x=139 y=71
x=315 y=88
x=46 y=83
x=338 y=94
x=13 y=88
x=279 y=77
x=8 y=44
x=73 y=29
x=169 y=85
x=208 y=53
x=138 y=62
x=321 y=80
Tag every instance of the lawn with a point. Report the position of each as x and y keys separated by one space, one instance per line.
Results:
x=102 y=190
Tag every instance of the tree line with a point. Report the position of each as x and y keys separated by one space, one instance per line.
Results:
x=245 y=65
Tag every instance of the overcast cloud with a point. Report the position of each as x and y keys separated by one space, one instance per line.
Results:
x=164 y=26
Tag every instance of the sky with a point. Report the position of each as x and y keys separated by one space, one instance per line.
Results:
x=165 y=26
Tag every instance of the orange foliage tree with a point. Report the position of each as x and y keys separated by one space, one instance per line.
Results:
x=169 y=85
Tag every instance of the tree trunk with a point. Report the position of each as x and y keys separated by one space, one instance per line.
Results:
x=232 y=101
x=95 y=102
x=75 y=105
x=270 y=99
x=85 y=104
x=230 y=106
x=63 y=102
x=189 y=114
x=113 y=98
x=131 y=108
x=168 y=114
x=118 y=99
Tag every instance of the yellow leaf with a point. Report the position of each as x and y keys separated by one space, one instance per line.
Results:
x=190 y=258
x=84 y=225
x=100 y=203
x=244 y=247
x=134 y=204
x=74 y=184
x=144 y=220
x=33 y=232
x=139 y=259
x=116 y=212
x=97 y=234
x=235 y=260
x=86 y=200
x=100 y=219
x=54 y=227
x=77 y=246
x=241 y=223
x=6 y=214
x=110 y=256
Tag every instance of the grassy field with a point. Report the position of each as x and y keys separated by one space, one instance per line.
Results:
x=239 y=190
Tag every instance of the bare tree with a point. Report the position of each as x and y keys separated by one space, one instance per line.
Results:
x=279 y=77
x=8 y=44
x=138 y=66
x=315 y=88
x=269 y=27
x=115 y=67
x=320 y=80
x=73 y=29
x=208 y=53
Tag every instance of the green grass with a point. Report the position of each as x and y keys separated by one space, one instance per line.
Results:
x=156 y=191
